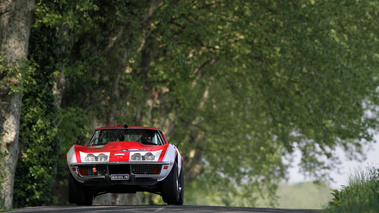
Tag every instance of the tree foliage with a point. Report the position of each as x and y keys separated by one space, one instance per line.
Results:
x=236 y=85
x=35 y=174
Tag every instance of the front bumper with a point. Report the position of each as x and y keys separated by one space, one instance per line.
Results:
x=138 y=173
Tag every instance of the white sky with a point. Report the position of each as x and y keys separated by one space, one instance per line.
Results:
x=347 y=168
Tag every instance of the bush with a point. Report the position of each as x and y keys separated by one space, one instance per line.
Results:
x=361 y=195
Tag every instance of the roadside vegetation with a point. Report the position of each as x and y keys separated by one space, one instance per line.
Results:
x=361 y=195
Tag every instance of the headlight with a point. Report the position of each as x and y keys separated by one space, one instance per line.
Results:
x=136 y=157
x=90 y=158
x=149 y=156
x=145 y=156
x=94 y=157
x=102 y=158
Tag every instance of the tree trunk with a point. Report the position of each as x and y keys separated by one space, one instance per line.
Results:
x=15 y=24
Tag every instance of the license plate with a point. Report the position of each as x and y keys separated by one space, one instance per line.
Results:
x=120 y=177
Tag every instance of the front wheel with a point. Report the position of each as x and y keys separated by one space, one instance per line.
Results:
x=181 y=188
x=173 y=187
x=78 y=192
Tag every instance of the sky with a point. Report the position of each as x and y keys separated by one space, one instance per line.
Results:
x=348 y=168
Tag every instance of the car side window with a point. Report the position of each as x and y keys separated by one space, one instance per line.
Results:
x=157 y=139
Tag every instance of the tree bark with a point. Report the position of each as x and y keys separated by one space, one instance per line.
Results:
x=15 y=24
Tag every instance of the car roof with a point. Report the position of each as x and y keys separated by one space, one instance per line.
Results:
x=130 y=127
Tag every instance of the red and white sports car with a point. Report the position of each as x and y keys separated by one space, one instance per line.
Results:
x=124 y=159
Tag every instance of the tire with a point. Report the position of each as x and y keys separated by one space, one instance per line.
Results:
x=78 y=193
x=181 y=185
x=172 y=187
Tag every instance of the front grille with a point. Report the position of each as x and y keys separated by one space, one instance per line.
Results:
x=93 y=170
x=119 y=169
x=146 y=169
x=101 y=170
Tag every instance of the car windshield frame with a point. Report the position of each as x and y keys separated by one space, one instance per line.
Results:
x=102 y=137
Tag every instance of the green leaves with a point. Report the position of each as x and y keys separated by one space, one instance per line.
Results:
x=36 y=170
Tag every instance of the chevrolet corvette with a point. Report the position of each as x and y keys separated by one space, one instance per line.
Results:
x=125 y=159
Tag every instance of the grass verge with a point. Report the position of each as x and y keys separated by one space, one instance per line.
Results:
x=361 y=195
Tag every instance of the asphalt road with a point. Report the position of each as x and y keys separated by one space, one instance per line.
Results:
x=160 y=208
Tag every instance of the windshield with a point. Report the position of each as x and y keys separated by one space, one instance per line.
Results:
x=145 y=136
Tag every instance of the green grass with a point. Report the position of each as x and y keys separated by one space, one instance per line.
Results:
x=361 y=195
x=304 y=195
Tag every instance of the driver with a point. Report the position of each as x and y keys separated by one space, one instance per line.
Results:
x=147 y=139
